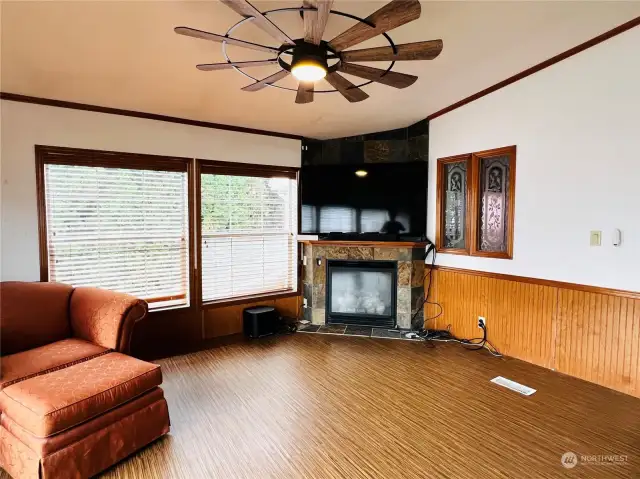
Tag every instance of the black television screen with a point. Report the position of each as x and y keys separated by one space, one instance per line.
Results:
x=384 y=200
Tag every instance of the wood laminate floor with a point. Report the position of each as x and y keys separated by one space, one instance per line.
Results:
x=324 y=406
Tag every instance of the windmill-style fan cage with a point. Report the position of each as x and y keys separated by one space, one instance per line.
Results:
x=312 y=58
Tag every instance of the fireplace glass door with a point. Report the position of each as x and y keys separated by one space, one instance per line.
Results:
x=361 y=293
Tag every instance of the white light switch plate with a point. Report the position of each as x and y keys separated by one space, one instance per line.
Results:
x=595 y=238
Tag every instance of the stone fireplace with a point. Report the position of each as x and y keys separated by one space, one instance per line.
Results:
x=353 y=283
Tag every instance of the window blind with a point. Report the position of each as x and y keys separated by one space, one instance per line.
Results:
x=249 y=227
x=120 y=229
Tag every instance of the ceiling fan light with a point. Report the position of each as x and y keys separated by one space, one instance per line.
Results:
x=308 y=71
x=309 y=62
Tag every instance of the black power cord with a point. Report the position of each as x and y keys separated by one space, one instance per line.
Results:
x=287 y=325
x=473 y=344
x=429 y=335
x=427 y=275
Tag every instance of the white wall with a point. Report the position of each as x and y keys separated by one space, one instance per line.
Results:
x=25 y=125
x=577 y=129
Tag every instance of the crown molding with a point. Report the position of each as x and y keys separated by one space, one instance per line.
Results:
x=540 y=66
x=139 y=114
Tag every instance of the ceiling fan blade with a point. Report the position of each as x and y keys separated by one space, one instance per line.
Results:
x=392 y=15
x=207 y=67
x=305 y=92
x=259 y=85
x=409 y=51
x=346 y=88
x=316 y=21
x=394 y=79
x=244 y=8
x=192 y=32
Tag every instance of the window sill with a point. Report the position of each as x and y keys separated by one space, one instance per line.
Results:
x=459 y=251
x=179 y=307
x=221 y=303
x=492 y=254
x=477 y=254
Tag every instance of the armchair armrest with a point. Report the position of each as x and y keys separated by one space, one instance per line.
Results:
x=104 y=317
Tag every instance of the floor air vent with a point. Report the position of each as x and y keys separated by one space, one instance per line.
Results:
x=514 y=386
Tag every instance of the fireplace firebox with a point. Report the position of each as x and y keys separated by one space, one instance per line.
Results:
x=361 y=292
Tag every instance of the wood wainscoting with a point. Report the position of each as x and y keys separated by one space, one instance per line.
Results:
x=173 y=332
x=227 y=320
x=586 y=332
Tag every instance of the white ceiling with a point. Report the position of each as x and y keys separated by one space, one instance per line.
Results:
x=124 y=54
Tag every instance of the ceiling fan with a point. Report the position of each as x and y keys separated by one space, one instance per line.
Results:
x=312 y=59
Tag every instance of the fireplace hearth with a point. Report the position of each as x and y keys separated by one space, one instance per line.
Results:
x=361 y=293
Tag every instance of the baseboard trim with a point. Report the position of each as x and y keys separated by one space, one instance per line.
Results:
x=544 y=282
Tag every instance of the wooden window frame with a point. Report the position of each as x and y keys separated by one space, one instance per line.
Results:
x=440 y=203
x=241 y=169
x=112 y=159
x=193 y=168
x=474 y=191
x=477 y=157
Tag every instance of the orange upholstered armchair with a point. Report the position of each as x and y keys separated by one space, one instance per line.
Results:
x=71 y=403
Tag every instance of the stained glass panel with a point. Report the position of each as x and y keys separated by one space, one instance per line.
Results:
x=455 y=202
x=494 y=203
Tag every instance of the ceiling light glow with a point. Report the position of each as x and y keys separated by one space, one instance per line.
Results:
x=308 y=71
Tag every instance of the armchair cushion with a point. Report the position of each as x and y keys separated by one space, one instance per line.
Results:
x=26 y=364
x=105 y=317
x=32 y=315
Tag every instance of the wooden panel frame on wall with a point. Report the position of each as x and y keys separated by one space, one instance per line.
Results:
x=440 y=204
x=111 y=159
x=476 y=191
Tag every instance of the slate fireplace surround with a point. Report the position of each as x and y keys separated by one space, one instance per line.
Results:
x=404 y=259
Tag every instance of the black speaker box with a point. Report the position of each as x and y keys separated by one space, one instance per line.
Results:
x=260 y=321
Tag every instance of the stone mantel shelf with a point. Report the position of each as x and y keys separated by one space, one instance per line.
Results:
x=368 y=244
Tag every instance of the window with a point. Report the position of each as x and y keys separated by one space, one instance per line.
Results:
x=249 y=222
x=453 y=204
x=115 y=221
x=475 y=203
x=127 y=222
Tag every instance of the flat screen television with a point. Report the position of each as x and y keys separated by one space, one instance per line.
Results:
x=374 y=202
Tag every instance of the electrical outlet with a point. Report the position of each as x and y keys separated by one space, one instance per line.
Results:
x=482 y=322
x=304 y=260
x=304 y=302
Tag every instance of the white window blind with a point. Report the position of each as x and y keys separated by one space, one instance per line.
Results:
x=249 y=227
x=119 y=229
